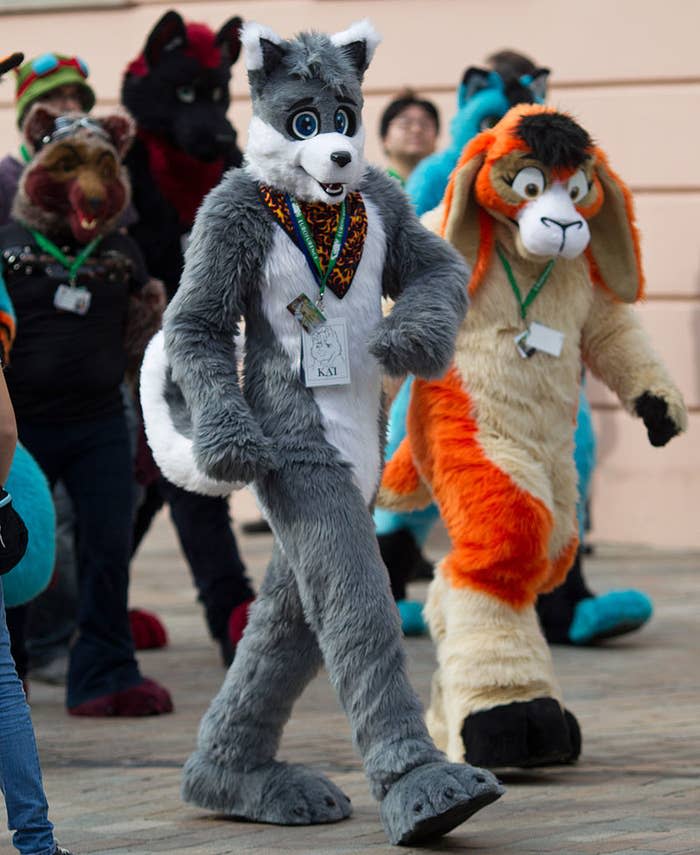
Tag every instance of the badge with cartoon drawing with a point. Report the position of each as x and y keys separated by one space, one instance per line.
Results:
x=325 y=354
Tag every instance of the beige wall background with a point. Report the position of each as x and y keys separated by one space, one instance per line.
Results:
x=628 y=69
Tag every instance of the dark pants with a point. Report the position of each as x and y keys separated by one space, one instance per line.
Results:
x=204 y=530
x=93 y=459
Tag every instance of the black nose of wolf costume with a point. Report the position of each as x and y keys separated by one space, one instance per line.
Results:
x=342 y=158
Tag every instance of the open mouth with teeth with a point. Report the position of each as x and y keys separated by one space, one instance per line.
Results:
x=333 y=189
x=88 y=225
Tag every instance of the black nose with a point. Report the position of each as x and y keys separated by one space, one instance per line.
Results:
x=342 y=158
x=548 y=221
x=95 y=203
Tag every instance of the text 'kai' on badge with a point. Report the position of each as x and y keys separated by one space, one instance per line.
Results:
x=68 y=299
x=325 y=357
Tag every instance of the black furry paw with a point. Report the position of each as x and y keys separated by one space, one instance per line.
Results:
x=654 y=413
x=405 y=347
x=523 y=734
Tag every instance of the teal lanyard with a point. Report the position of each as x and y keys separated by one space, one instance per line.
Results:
x=534 y=291
x=311 y=249
x=71 y=266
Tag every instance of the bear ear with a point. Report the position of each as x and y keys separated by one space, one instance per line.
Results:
x=168 y=34
x=229 y=39
x=358 y=43
x=264 y=49
x=121 y=129
x=39 y=124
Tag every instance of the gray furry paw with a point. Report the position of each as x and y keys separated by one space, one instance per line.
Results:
x=654 y=412
x=405 y=346
x=277 y=793
x=232 y=455
x=431 y=800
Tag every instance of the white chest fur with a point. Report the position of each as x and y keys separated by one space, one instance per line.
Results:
x=350 y=413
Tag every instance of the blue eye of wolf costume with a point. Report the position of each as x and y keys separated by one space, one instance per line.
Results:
x=311 y=454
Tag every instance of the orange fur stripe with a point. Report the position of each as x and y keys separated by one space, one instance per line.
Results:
x=400 y=474
x=500 y=533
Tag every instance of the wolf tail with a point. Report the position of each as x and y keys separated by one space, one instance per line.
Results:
x=402 y=488
x=170 y=444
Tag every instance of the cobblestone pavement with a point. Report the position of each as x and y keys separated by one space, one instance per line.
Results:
x=113 y=786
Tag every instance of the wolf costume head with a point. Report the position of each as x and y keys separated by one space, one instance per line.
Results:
x=306 y=136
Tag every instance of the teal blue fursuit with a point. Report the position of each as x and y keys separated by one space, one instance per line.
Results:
x=31 y=497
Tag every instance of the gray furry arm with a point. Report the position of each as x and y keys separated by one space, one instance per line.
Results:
x=199 y=327
x=428 y=280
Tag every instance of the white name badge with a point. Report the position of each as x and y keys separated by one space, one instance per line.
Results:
x=545 y=339
x=76 y=300
x=325 y=356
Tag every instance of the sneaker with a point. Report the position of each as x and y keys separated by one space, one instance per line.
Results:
x=54 y=672
x=61 y=850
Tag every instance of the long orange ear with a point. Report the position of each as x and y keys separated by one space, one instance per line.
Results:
x=614 y=253
x=465 y=224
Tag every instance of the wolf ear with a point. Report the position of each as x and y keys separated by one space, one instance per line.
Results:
x=229 y=39
x=264 y=49
x=358 y=43
x=167 y=35
x=39 y=124
x=473 y=80
x=538 y=85
x=121 y=129
x=614 y=250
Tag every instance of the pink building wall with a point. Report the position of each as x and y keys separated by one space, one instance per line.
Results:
x=629 y=70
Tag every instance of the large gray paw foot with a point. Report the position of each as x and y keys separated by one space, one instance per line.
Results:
x=276 y=792
x=431 y=800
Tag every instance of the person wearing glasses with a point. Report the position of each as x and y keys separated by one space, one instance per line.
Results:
x=409 y=129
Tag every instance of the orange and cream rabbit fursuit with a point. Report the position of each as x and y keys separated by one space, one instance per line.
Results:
x=549 y=231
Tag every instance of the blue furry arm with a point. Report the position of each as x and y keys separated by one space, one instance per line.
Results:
x=427 y=183
x=222 y=263
x=427 y=278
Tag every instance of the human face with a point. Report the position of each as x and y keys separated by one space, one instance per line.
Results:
x=412 y=134
x=65 y=98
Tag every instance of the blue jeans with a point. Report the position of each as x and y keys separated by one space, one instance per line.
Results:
x=93 y=459
x=20 y=774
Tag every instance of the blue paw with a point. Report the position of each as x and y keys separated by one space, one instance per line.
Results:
x=611 y=614
x=412 y=622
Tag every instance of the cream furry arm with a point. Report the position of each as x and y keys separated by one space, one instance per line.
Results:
x=618 y=351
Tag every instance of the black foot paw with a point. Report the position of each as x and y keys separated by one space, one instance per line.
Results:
x=431 y=800
x=523 y=734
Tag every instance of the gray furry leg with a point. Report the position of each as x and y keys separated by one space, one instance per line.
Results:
x=330 y=542
x=233 y=770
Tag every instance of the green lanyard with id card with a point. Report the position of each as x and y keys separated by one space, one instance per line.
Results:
x=69 y=298
x=324 y=342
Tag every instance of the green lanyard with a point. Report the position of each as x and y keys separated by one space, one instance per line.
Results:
x=536 y=288
x=311 y=249
x=71 y=266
